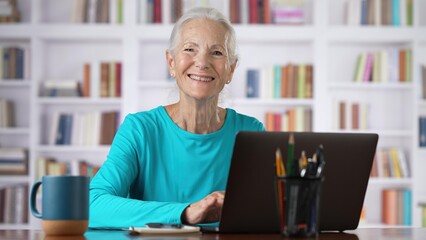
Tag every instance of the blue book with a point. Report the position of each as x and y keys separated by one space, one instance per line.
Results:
x=407 y=207
x=68 y=129
x=277 y=81
x=422 y=131
x=61 y=130
x=364 y=12
x=395 y=17
x=19 y=63
x=252 y=83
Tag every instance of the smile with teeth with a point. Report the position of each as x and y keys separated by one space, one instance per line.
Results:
x=200 y=78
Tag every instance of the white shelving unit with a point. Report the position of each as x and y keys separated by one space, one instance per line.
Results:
x=59 y=49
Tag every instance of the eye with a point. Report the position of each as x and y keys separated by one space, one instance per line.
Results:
x=217 y=53
x=188 y=50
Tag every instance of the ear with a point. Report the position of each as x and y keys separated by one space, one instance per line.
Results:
x=231 y=72
x=170 y=63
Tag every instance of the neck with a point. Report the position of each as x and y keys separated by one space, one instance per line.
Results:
x=196 y=117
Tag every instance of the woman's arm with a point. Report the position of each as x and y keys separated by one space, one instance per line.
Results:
x=110 y=188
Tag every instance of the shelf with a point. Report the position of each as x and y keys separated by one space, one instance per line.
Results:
x=280 y=102
x=383 y=133
x=370 y=86
x=371 y=34
x=78 y=100
x=68 y=148
x=13 y=179
x=14 y=131
x=18 y=83
x=390 y=181
x=23 y=226
x=381 y=225
x=16 y=30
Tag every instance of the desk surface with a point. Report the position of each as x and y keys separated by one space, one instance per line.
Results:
x=359 y=234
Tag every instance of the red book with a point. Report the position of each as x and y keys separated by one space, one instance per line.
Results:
x=254 y=15
x=267 y=12
x=86 y=80
x=157 y=11
x=390 y=206
x=118 y=79
x=402 y=65
x=284 y=81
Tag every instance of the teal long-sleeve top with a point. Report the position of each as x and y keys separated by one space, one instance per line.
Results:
x=155 y=169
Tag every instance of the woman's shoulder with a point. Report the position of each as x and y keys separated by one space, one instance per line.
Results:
x=148 y=117
x=243 y=121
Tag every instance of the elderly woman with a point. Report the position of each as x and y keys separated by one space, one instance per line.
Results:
x=170 y=164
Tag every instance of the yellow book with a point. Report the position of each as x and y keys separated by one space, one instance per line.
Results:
x=396 y=169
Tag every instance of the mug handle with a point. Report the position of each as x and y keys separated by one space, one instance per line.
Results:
x=33 y=207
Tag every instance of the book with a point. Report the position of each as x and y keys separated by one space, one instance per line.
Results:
x=61 y=88
x=422 y=131
x=252 y=83
x=13 y=161
x=423 y=80
x=108 y=127
x=390 y=206
x=86 y=80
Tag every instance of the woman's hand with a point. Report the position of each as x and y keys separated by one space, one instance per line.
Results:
x=206 y=210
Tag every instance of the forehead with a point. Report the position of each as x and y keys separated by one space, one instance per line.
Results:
x=203 y=30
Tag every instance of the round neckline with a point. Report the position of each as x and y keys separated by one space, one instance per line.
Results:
x=190 y=134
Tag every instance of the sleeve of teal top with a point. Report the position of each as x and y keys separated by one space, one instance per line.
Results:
x=109 y=189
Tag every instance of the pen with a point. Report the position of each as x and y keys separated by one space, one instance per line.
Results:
x=290 y=155
x=320 y=160
x=303 y=163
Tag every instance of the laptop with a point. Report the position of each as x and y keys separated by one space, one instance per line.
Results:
x=250 y=204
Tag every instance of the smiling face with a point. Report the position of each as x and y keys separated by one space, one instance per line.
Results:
x=200 y=62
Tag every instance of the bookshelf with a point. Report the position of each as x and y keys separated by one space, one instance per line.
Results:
x=59 y=48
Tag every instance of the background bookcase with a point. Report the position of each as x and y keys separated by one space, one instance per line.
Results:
x=59 y=49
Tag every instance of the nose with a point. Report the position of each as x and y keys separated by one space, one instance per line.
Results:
x=201 y=60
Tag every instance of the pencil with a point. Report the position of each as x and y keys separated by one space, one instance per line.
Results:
x=290 y=155
x=279 y=163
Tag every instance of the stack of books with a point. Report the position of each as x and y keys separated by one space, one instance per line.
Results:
x=281 y=81
x=14 y=204
x=13 y=161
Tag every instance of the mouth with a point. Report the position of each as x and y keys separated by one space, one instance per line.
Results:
x=200 y=78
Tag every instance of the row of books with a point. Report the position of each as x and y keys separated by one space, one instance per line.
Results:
x=13 y=161
x=422 y=131
x=396 y=206
x=9 y=11
x=14 y=63
x=240 y=11
x=390 y=163
x=351 y=115
x=49 y=166
x=7 y=113
x=14 y=204
x=392 y=65
x=280 y=81
x=293 y=120
x=100 y=79
x=83 y=128
x=267 y=11
x=168 y=11
x=379 y=12
x=97 y=11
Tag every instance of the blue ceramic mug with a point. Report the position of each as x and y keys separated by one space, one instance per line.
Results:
x=65 y=204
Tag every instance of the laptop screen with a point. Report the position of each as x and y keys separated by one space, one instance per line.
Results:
x=250 y=204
